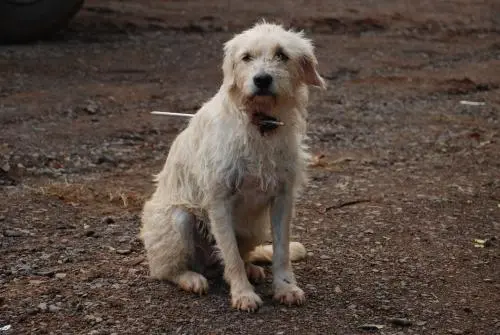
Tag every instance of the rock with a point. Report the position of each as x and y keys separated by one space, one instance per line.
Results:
x=5 y=167
x=91 y=108
x=325 y=257
x=123 y=251
x=42 y=306
x=60 y=275
x=12 y=233
x=337 y=289
x=53 y=308
x=370 y=327
x=401 y=322
x=455 y=331
x=45 y=273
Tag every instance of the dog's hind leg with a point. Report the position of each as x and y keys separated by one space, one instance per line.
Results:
x=168 y=239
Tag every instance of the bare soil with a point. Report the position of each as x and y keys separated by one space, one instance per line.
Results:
x=408 y=178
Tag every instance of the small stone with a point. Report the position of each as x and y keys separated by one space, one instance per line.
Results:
x=12 y=233
x=123 y=239
x=325 y=257
x=5 y=167
x=455 y=331
x=123 y=251
x=337 y=289
x=91 y=108
x=45 y=273
x=60 y=275
x=369 y=231
x=53 y=308
x=370 y=327
x=36 y=282
x=42 y=306
x=401 y=322
x=421 y=323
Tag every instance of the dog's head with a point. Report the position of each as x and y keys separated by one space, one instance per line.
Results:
x=267 y=64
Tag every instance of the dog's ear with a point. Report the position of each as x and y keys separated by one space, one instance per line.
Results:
x=228 y=64
x=310 y=75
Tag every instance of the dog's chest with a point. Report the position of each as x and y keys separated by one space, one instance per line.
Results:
x=253 y=193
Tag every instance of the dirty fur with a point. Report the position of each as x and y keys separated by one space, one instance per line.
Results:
x=224 y=179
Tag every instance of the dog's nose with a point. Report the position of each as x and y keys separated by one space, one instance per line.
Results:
x=263 y=81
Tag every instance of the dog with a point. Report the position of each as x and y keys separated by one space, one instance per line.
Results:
x=233 y=174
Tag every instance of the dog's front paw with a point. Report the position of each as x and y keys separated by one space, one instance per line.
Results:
x=246 y=300
x=289 y=294
x=255 y=273
x=193 y=282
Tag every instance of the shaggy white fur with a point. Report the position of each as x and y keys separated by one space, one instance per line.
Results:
x=236 y=179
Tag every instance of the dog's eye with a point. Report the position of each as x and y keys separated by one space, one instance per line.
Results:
x=246 y=58
x=281 y=55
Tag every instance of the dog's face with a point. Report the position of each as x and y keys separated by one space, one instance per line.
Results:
x=268 y=63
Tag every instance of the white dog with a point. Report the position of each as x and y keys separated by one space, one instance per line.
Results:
x=235 y=171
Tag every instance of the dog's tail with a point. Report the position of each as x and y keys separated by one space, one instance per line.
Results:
x=264 y=253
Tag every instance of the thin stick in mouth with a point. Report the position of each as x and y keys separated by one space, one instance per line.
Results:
x=277 y=123
x=172 y=114
x=262 y=122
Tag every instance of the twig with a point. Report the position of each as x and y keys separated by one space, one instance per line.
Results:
x=172 y=114
x=345 y=204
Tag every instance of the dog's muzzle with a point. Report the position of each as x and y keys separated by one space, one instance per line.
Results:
x=263 y=83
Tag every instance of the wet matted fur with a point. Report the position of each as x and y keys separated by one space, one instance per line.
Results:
x=236 y=180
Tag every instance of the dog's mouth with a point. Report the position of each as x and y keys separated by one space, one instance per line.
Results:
x=260 y=108
x=265 y=123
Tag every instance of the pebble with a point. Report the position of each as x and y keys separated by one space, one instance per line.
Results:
x=45 y=273
x=5 y=167
x=370 y=327
x=12 y=233
x=337 y=289
x=401 y=322
x=60 y=275
x=455 y=331
x=325 y=257
x=42 y=306
x=53 y=308
x=123 y=251
x=91 y=108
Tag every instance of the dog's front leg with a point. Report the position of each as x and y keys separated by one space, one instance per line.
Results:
x=285 y=288
x=242 y=293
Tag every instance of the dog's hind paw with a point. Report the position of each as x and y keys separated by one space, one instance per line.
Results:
x=255 y=273
x=192 y=282
x=289 y=294
x=246 y=301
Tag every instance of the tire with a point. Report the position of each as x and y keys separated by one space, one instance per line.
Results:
x=30 y=20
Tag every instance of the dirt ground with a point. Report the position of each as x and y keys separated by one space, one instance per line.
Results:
x=409 y=178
